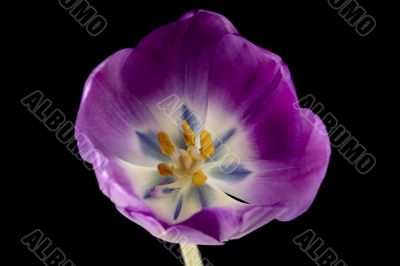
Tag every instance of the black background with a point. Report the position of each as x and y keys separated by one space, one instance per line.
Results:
x=52 y=190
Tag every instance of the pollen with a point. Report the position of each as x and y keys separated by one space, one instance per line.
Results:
x=165 y=169
x=188 y=134
x=166 y=145
x=199 y=178
x=207 y=147
x=185 y=164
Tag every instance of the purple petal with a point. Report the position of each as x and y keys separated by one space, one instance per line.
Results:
x=122 y=93
x=109 y=115
x=175 y=59
x=149 y=145
x=293 y=182
x=255 y=217
x=291 y=146
x=210 y=226
x=255 y=85
x=237 y=174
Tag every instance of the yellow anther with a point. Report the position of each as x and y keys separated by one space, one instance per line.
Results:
x=199 y=178
x=165 y=169
x=207 y=148
x=185 y=159
x=188 y=134
x=166 y=145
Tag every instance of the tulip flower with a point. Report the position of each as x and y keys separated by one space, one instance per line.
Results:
x=201 y=133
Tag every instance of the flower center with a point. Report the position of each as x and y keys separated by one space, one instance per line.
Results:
x=185 y=164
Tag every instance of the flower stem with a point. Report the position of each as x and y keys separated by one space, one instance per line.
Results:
x=191 y=255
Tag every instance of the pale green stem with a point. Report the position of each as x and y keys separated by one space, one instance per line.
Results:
x=191 y=255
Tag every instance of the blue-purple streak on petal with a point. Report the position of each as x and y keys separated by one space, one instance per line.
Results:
x=219 y=143
x=161 y=181
x=224 y=138
x=149 y=145
x=178 y=207
x=196 y=195
x=191 y=118
x=205 y=195
x=237 y=174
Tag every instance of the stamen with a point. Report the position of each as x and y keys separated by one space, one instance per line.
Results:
x=188 y=134
x=165 y=169
x=207 y=148
x=166 y=145
x=185 y=159
x=199 y=178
